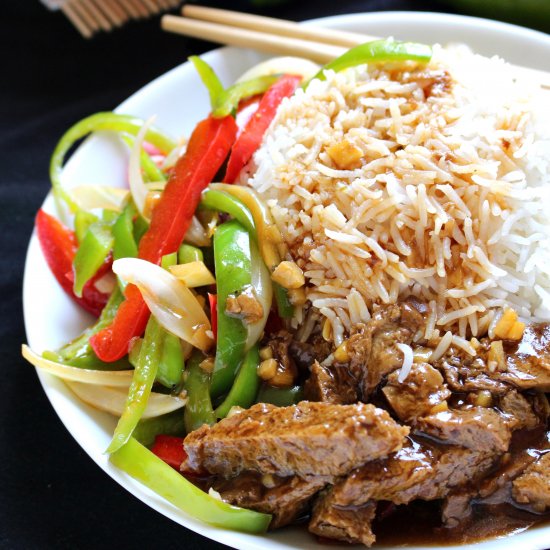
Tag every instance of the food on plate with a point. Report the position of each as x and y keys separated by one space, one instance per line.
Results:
x=330 y=304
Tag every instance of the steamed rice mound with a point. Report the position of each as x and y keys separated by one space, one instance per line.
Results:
x=423 y=180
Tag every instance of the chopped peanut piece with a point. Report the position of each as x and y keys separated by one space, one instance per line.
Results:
x=289 y=275
x=421 y=354
x=496 y=355
x=245 y=306
x=516 y=332
x=341 y=354
x=345 y=155
x=266 y=353
x=267 y=369
x=207 y=365
x=282 y=379
x=505 y=323
x=440 y=407
x=484 y=398
x=297 y=296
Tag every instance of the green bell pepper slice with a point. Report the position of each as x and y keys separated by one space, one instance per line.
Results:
x=82 y=222
x=281 y=397
x=232 y=260
x=245 y=387
x=141 y=464
x=188 y=253
x=78 y=353
x=224 y=101
x=91 y=254
x=198 y=410
x=224 y=202
x=100 y=121
x=378 y=51
x=124 y=245
x=140 y=388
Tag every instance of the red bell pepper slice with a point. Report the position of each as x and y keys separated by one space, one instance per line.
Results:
x=251 y=136
x=59 y=246
x=170 y=449
x=213 y=301
x=208 y=147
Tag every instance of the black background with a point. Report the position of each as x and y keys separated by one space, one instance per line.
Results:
x=51 y=494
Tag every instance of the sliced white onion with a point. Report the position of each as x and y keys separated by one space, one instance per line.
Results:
x=119 y=378
x=407 y=362
x=113 y=400
x=282 y=65
x=174 y=306
x=196 y=234
x=106 y=197
x=263 y=289
x=135 y=179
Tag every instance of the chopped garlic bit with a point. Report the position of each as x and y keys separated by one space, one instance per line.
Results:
x=345 y=155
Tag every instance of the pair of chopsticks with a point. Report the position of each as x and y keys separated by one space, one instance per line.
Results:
x=281 y=37
x=92 y=16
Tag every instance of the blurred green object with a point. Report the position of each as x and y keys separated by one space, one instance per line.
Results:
x=531 y=13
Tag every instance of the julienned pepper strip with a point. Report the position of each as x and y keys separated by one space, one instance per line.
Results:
x=198 y=410
x=82 y=222
x=281 y=397
x=246 y=384
x=140 y=389
x=99 y=121
x=378 y=51
x=91 y=254
x=171 y=363
x=79 y=353
x=232 y=259
x=208 y=147
x=209 y=79
x=140 y=463
x=59 y=247
x=124 y=245
x=224 y=202
x=253 y=133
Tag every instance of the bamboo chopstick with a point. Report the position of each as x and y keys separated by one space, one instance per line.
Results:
x=278 y=27
x=320 y=45
x=246 y=38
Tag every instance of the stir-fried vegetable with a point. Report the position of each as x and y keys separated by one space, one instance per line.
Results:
x=378 y=51
x=140 y=463
x=100 y=121
x=140 y=389
x=167 y=424
x=199 y=409
x=246 y=385
x=175 y=307
x=207 y=149
x=252 y=134
x=233 y=272
x=59 y=246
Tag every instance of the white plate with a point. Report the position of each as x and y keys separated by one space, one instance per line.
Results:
x=179 y=100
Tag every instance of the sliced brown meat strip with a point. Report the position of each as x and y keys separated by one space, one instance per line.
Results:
x=417 y=394
x=527 y=365
x=520 y=409
x=304 y=439
x=415 y=472
x=330 y=385
x=286 y=498
x=478 y=428
x=351 y=525
x=372 y=349
x=533 y=486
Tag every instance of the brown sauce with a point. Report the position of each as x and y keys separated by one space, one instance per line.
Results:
x=418 y=524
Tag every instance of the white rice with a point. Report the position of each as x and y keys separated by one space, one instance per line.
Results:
x=448 y=202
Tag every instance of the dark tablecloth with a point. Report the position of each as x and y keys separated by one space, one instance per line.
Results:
x=51 y=494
